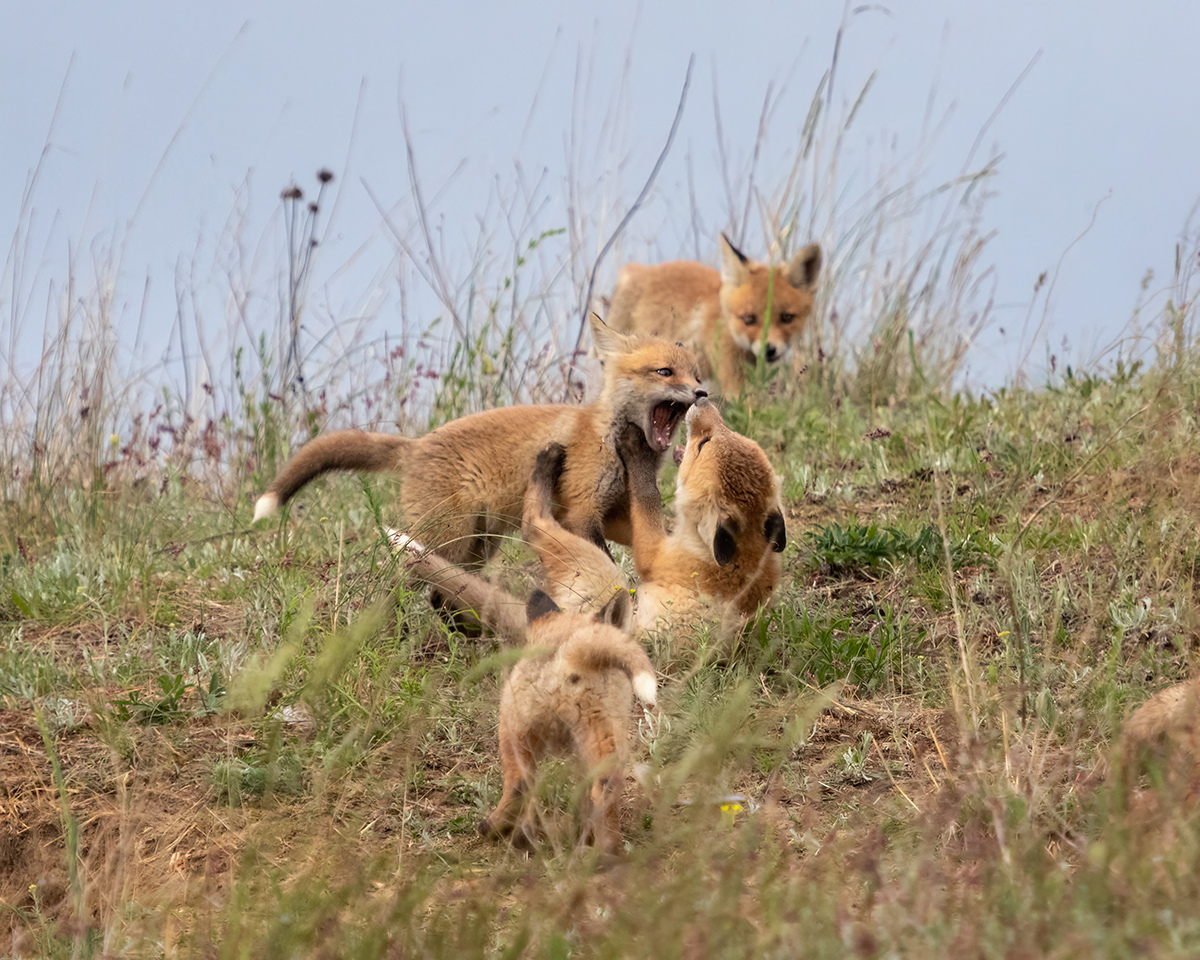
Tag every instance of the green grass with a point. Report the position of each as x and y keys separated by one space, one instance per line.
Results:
x=271 y=747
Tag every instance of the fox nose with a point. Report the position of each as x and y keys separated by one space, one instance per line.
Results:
x=701 y=394
x=772 y=351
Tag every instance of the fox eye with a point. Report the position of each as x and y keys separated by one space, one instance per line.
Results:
x=665 y=372
x=749 y=319
x=700 y=445
x=786 y=317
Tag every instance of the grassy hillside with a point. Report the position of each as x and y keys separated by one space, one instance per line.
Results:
x=227 y=741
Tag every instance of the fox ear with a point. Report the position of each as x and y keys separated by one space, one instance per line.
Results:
x=617 y=612
x=803 y=269
x=539 y=605
x=735 y=268
x=608 y=341
x=775 y=530
x=725 y=542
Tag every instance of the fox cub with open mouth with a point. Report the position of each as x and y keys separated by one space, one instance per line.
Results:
x=720 y=314
x=465 y=482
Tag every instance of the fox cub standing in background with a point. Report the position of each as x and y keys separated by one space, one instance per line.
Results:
x=720 y=314
x=572 y=693
x=722 y=557
x=465 y=482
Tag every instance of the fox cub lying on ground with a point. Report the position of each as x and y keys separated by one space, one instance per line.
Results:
x=720 y=314
x=465 y=482
x=722 y=557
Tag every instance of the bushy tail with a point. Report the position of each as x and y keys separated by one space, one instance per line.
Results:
x=613 y=650
x=462 y=590
x=340 y=450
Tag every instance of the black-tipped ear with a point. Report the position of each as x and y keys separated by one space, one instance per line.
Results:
x=734 y=250
x=539 y=605
x=617 y=612
x=735 y=268
x=724 y=543
x=775 y=530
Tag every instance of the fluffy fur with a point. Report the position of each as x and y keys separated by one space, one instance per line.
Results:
x=720 y=314
x=465 y=482
x=722 y=557
x=571 y=694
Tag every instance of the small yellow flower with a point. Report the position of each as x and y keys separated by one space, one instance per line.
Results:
x=114 y=439
x=729 y=812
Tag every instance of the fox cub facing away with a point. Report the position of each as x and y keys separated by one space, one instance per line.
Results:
x=465 y=482
x=720 y=314
x=722 y=557
x=574 y=689
x=572 y=694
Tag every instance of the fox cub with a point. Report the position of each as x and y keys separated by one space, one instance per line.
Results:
x=722 y=557
x=1167 y=726
x=720 y=314
x=465 y=482
x=571 y=694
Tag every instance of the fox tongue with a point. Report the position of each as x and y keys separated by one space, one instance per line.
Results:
x=660 y=425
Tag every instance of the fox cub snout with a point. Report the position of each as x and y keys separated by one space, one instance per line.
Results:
x=729 y=317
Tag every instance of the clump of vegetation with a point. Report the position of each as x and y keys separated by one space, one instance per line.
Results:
x=863 y=548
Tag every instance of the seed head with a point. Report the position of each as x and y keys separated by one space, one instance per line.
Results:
x=324 y=174
x=292 y=193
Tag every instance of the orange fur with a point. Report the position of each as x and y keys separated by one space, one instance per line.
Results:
x=729 y=526
x=720 y=314
x=578 y=575
x=465 y=482
x=1167 y=724
x=572 y=694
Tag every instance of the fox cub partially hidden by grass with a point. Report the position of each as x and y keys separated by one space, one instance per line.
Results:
x=720 y=314
x=465 y=482
x=722 y=557
x=574 y=689
x=1166 y=729
x=572 y=694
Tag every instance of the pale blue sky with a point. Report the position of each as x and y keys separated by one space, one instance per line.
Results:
x=168 y=108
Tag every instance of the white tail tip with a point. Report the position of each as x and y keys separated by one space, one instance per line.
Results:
x=645 y=688
x=267 y=504
x=403 y=543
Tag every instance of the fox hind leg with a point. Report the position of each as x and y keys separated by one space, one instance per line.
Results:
x=518 y=763
x=598 y=748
